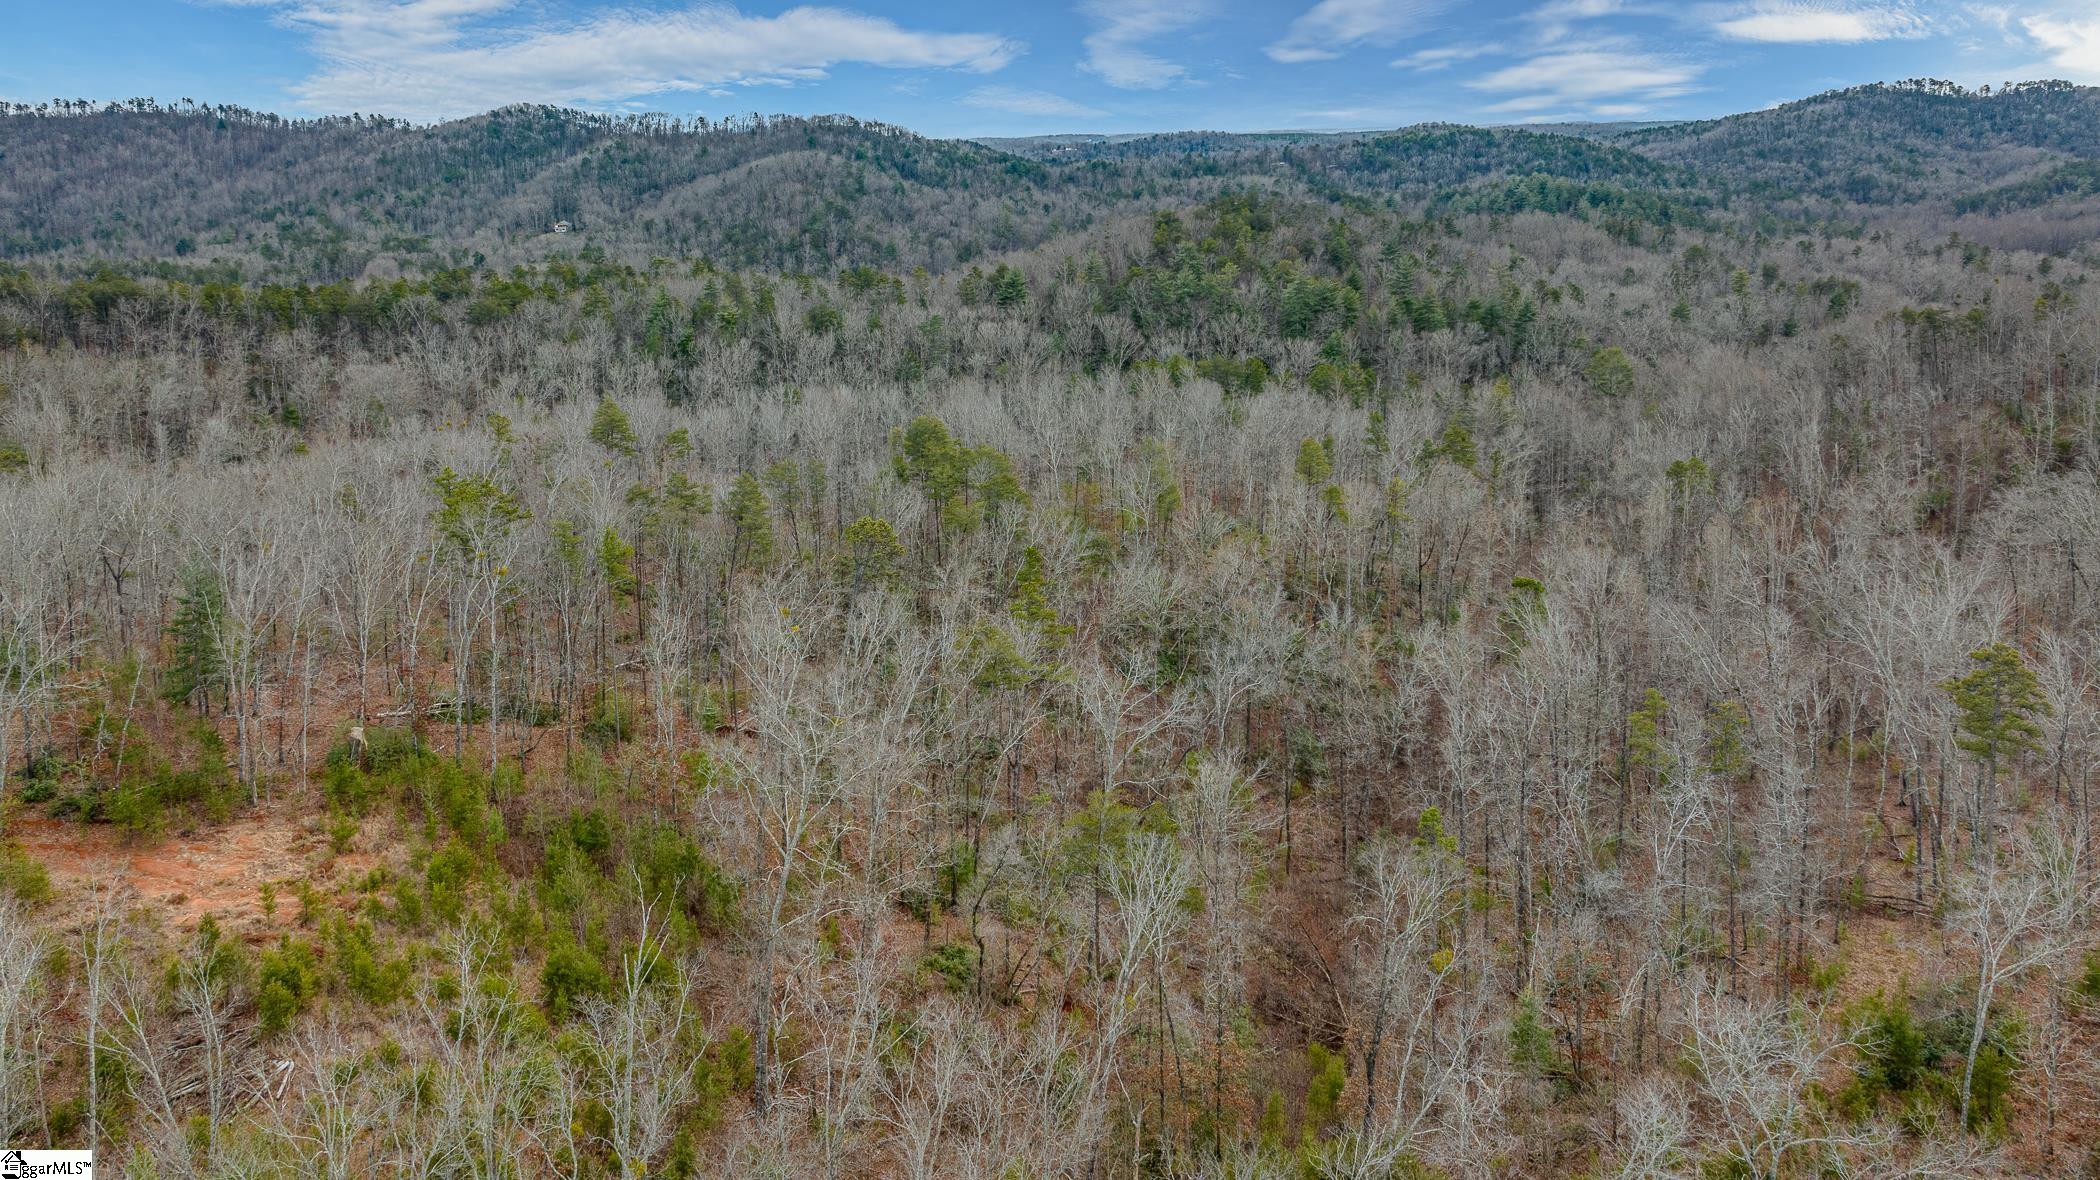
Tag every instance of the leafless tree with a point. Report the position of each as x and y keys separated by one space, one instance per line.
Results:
x=2017 y=917
x=1755 y=1063
x=642 y=1048
x=22 y=952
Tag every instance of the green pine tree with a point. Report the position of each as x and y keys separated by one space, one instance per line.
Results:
x=751 y=522
x=611 y=429
x=1998 y=703
x=660 y=331
x=616 y=562
x=195 y=668
x=871 y=553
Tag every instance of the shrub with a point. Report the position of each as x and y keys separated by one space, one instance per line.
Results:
x=24 y=877
x=143 y=801
x=1323 y=1094
x=386 y=748
x=2088 y=984
x=1919 y=1064
x=459 y=797
x=1531 y=1046
x=42 y=777
x=446 y=878
x=362 y=966
x=954 y=962
x=570 y=974
x=671 y=865
x=612 y=718
x=342 y=829
x=715 y=706
x=591 y=832
x=1895 y=1055
x=1992 y=1085
x=344 y=785
x=288 y=978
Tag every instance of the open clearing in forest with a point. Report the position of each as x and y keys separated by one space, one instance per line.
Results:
x=182 y=877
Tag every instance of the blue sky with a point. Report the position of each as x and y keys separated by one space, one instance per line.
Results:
x=952 y=68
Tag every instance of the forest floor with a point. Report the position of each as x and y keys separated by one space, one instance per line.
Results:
x=1887 y=943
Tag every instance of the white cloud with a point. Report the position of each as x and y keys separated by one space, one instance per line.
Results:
x=1331 y=27
x=1443 y=56
x=444 y=58
x=1577 y=9
x=1521 y=104
x=1556 y=18
x=1811 y=23
x=1600 y=77
x=2073 y=46
x=1029 y=102
x=1114 y=50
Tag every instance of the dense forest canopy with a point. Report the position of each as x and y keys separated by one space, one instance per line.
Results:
x=1457 y=652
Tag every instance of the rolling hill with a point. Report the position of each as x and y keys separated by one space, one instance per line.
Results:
x=341 y=197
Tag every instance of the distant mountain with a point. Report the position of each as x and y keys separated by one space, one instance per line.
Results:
x=1153 y=145
x=1887 y=144
x=1082 y=146
x=341 y=197
x=331 y=194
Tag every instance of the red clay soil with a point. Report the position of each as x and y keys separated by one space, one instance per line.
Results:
x=218 y=870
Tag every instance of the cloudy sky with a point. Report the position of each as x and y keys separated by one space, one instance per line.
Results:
x=946 y=67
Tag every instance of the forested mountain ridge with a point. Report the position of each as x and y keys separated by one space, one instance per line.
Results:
x=1458 y=654
x=1887 y=144
x=1081 y=146
x=326 y=196
x=330 y=198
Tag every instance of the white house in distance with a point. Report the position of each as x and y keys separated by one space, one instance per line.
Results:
x=561 y=227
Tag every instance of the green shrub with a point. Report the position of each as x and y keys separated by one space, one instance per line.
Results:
x=671 y=865
x=42 y=778
x=144 y=801
x=570 y=974
x=136 y=806
x=1531 y=1046
x=342 y=829
x=408 y=903
x=459 y=798
x=287 y=980
x=311 y=903
x=1323 y=1094
x=1269 y=1130
x=592 y=834
x=954 y=962
x=959 y=869
x=715 y=706
x=23 y=876
x=446 y=879
x=568 y=881
x=1919 y=1065
x=2088 y=984
x=1895 y=1055
x=362 y=966
x=612 y=718
x=725 y=1070
x=1992 y=1085
x=347 y=788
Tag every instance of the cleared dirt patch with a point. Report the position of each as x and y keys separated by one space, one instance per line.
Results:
x=218 y=870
